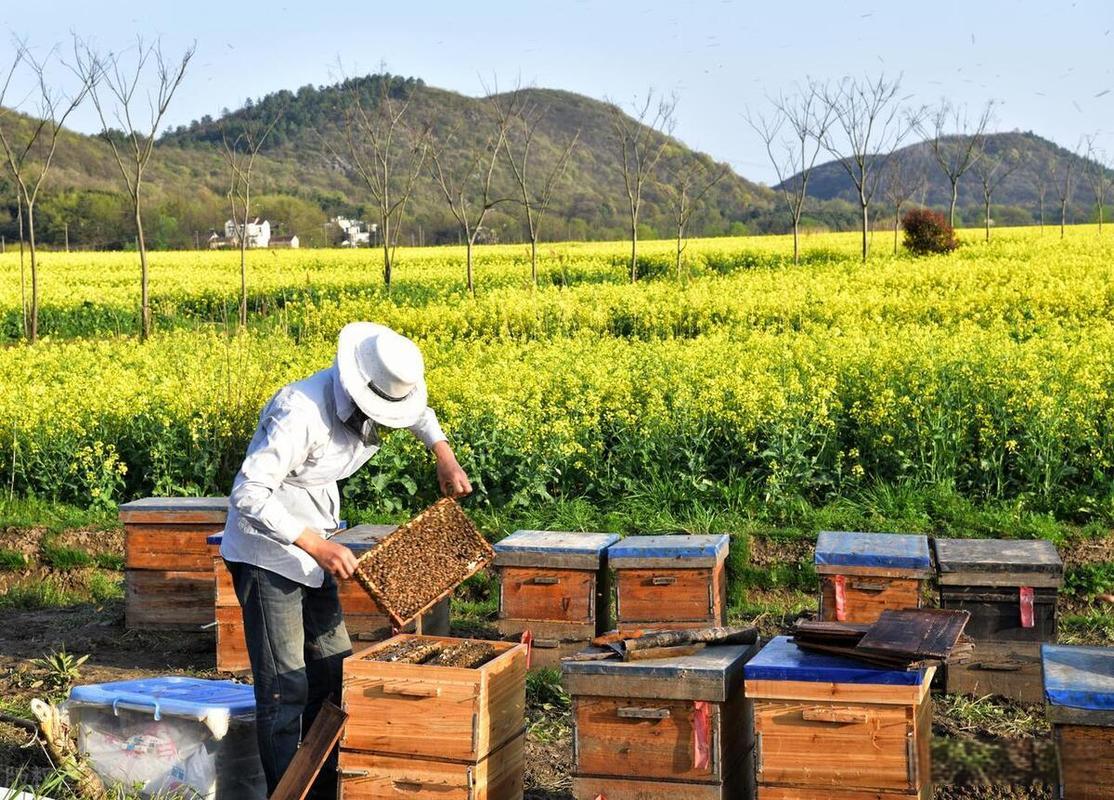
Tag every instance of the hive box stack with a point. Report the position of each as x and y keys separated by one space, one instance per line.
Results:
x=171 y=736
x=673 y=727
x=832 y=727
x=556 y=586
x=863 y=574
x=673 y=581
x=429 y=731
x=168 y=567
x=1010 y=589
x=1079 y=691
x=363 y=617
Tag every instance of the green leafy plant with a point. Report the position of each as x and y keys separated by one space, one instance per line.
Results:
x=60 y=669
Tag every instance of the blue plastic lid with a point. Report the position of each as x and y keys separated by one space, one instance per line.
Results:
x=1080 y=677
x=893 y=550
x=781 y=660
x=679 y=546
x=556 y=542
x=215 y=538
x=214 y=703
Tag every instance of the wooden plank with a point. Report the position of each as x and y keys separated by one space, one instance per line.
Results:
x=917 y=633
x=868 y=748
x=175 y=510
x=558 y=595
x=232 y=648
x=1066 y=715
x=374 y=776
x=224 y=591
x=667 y=597
x=1034 y=579
x=841 y=692
x=997 y=556
x=867 y=598
x=1086 y=756
x=874 y=572
x=315 y=748
x=168 y=547
x=765 y=792
x=435 y=712
x=167 y=600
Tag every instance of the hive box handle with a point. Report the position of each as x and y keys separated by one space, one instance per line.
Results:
x=868 y=586
x=663 y=580
x=836 y=716
x=545 y=580
x=411 y=690
x=636 y=712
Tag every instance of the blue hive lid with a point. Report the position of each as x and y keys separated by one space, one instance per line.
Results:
x=694 y=549
x=362 y=538
x=215 y=538
x=885 y=550
x=781 y=660
x=557 y=542
x=214 y=703
x=1079 y=677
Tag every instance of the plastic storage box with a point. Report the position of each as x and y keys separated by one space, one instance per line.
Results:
x=171 y=735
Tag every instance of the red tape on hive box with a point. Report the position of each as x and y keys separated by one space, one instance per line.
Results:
x=1026 y=600
x=839 y=583
x=701 y=734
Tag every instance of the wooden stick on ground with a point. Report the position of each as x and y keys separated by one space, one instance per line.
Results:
x=696 y=636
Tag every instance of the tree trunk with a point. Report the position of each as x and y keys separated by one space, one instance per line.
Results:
x=471 y=238
x=797 y=241
x=1100 y=219
x=866 y=230
x=1041 y=201
x=986 y=217
x=144 y=294
x=244 y=276
x=1063 y=216
x=680 y=239
x=633 y=249
x=534 y=258
x=897 y=219
x=955 y=198
x=22 y=273
x=34 y=273
x=385 y=221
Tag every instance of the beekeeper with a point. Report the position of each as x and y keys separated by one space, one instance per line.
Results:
x=285 y=504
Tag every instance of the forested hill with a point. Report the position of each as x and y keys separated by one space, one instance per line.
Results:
x=1031 y=159
x=589 y=200
x=301 y=181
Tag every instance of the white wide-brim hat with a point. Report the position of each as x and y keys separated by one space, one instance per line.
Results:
x=383 y=372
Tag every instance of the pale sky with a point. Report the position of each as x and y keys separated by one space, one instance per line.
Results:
x=1049 y=65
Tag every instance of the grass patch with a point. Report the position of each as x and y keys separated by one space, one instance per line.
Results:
x=109 y=561
x=1087 y=580
x=36 y=594
x=548 y=705
x=12 y=559
x=64 y=557
x=1093 y=626
x=105 y=588
x=989 y=716
x=34 y=512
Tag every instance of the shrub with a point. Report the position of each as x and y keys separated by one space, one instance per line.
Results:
x=928 y=231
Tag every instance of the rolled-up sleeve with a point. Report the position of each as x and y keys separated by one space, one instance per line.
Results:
x=428 y=429
x=280 y=446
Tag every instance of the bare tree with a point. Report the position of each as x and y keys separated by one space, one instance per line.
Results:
x=29 y=147
x=991 y=171
x=1062 y=177
x=240 y=152
x=1098 y=176
x=466 y=180
x=901 y=183
x=689 y=183
x=522 y=118
x=957 y=142
x=792 y=135
x=388 y=153
x=137 y=111
x=641 y=139
x=868 y=117
x=1038 y=179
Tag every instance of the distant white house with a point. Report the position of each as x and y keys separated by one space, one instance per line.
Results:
x=357 y=233
x=257 y=233
x=285 y=241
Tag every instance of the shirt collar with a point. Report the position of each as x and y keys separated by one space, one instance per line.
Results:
x=344 y=403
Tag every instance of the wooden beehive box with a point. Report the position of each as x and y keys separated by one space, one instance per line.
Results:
x=364 y=619
x=671 y=727
x=1079 y=692
x=863 y=574
x=832 y=727
x=168 y=568
x=433 y=731
x=555 y=585
x=1010 y=589
x=671 y=581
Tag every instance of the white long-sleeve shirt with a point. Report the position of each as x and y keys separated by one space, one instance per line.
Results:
x=288 y=481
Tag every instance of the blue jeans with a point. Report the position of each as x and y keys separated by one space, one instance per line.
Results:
x=296 y=643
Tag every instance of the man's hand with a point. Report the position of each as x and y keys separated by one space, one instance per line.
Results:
x=336 y=559
x=450 y=476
